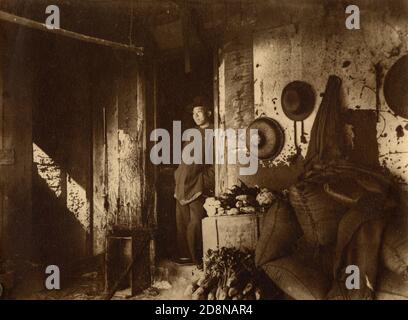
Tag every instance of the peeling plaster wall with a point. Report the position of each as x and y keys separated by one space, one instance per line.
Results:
x=235 y=109
x=309 y=43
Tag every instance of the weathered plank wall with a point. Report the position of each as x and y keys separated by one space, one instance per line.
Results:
x=16 y=73
x=67 y=147
x=93 y=131
x=132 y=145
x=121 y=187
x=62 y=149
x=75 y=90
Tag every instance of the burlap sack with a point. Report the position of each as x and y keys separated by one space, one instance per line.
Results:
x=297 y=278
x=395 y=246
x=318 y=214
x=278 y=233
x=391 y=286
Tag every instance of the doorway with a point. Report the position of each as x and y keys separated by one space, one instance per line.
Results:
x=175 y=90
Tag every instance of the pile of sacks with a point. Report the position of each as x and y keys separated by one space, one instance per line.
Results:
x=339 y=214
x=336 y=216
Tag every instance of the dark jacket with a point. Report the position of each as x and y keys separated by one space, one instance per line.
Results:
x=194 y=180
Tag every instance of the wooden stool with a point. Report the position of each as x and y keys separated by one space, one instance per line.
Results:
x=128 y=262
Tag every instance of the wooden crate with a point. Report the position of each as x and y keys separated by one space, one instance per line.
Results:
x=120 y=251
x=240 y=231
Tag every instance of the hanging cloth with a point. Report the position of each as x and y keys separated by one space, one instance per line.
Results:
x=326 y=138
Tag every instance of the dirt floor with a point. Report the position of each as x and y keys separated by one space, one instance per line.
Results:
x=170 y=283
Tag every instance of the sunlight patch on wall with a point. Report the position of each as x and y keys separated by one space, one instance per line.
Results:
x=77 y=202
x=58 y=181
x=48 y=170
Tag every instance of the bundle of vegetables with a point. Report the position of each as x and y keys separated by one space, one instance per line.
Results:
x=230 y=274
x=240 y=200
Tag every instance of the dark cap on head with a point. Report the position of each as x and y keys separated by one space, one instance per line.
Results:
x=198 y=101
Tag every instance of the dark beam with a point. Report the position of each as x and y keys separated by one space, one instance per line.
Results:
x=8 y=17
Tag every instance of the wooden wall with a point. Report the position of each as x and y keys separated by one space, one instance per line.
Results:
x=122 y=176
x=63 y=102
x=16 y=101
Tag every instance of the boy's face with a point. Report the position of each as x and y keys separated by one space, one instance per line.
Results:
x=200 y=115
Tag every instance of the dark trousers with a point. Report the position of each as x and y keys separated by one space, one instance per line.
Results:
x=189 y=234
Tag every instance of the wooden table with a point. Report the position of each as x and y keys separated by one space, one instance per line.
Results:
x=240 y=231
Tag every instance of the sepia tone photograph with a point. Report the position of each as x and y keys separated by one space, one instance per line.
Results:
x=203 y=150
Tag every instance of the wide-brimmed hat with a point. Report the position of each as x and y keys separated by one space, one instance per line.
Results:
x=270 y=139
x=298 y=100
x=198 y=101
x=396 y=87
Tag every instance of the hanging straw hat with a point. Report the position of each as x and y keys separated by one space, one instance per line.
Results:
x=396 y=87
x=298 y=100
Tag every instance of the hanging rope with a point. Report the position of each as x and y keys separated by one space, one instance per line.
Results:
x=303 y=134
x=297 y=147
x=131 y=23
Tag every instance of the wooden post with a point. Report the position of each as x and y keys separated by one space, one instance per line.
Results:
x=1 y=142
x=236 y=98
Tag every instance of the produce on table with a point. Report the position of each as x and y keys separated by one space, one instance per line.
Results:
x=243 y=197
x=233 y=212
x=248 y=209
x=240 y=200
x=211 y=205
x=265 y=197
x=230 y=274
x=239 y=204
